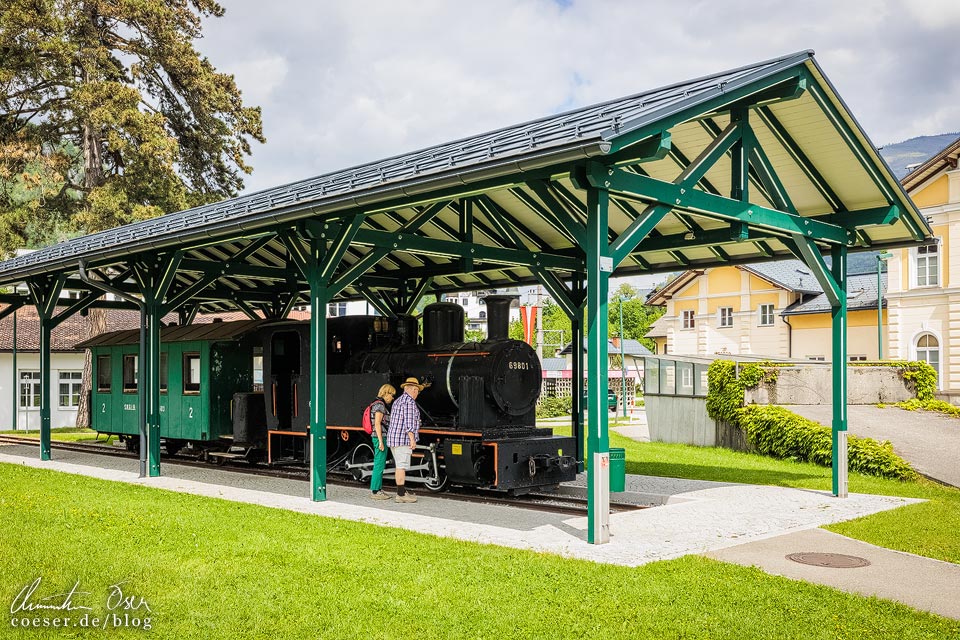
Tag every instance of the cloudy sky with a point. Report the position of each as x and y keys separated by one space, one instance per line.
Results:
x=343 y=83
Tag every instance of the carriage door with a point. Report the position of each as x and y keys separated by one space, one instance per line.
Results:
x=284 y=371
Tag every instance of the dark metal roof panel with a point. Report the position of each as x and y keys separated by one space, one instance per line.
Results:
x=544 y=140
x=212 y=331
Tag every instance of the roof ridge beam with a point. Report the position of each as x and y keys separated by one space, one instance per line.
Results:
x=713 y=206
x=752 y=93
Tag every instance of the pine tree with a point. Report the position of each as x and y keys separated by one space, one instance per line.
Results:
x=109 y=115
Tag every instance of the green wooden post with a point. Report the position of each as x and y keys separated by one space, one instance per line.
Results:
x=599 y=266
x=151 y=368
x=318 y=373
x=576 y=386
x=839 y=366
x=46 y=326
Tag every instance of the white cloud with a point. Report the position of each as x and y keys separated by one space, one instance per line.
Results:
x=344 y=83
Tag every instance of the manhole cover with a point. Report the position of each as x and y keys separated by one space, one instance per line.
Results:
x=829 y=560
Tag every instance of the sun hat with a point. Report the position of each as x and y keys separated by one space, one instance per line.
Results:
x=413 y=382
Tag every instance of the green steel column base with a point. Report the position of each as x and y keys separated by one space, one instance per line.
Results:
x=44 y=454
x=153 y=450
x=598 y=509
x=318 y=467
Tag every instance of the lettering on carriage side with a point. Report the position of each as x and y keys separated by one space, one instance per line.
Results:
x=103 y=407
x=129 y=407
x=190 y=413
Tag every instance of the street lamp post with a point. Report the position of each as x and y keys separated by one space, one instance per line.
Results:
x=623 y=365
x=882 y=257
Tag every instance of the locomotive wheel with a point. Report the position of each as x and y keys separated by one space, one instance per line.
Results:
x=433 y=486
x=132 y=443
x=363 y=454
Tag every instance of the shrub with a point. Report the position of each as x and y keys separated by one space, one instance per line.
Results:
x=930 y=405
x=780 y=433
x=552 y=407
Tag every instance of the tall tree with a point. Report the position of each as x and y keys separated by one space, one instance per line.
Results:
x=108 y=115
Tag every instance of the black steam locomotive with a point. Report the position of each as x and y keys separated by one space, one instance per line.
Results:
x=479 y=412
x=479 y=423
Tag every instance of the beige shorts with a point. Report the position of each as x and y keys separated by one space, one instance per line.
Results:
x=401 y=457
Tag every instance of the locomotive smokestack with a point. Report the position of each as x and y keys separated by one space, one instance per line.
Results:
x=498 y=316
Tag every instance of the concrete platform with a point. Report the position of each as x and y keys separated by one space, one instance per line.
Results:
x=694 y=516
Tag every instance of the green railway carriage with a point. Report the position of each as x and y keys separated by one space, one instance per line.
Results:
x=201 y=367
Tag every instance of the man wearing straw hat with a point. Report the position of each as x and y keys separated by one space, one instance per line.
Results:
x=403 y=433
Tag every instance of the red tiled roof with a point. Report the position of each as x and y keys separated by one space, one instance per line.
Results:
x=72 y=330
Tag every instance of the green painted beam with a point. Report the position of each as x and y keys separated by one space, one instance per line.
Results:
x=859 y=151
x=714 y=206
x=639 y=229
x=654 y=148
x=421 y=289
x=375 y=301
x=747 y=95
x=558 y=291
x=545 y=214
x=340 y=244
x=800 y=158
x=420 y=244
x=561 y=215
x=776 y=192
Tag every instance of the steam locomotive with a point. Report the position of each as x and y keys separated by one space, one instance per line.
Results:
x=479 y=412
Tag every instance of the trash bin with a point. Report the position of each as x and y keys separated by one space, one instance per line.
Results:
x=618 y=469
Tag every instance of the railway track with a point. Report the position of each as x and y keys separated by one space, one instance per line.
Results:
x=550 y=503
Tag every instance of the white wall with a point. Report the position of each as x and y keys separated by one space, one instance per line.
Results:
x=30 y=418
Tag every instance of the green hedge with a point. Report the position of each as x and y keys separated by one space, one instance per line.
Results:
x=551 y=407
x=780 y=433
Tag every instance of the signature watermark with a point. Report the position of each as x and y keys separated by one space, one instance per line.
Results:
x=121 y=609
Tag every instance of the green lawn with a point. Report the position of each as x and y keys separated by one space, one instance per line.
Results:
x=216 y=569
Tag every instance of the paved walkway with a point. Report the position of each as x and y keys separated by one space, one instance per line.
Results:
x=929 y=441
x=922 y=583
x=695 y=516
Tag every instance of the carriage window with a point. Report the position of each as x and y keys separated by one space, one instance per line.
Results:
x=130 y=374
x=191 y=373
x=104 y=373
x=163 y=373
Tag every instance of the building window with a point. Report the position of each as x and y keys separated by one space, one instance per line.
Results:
x=70 y=384
x=688 y=320
x=104 y=373
x=130 y=373
x=336 y=309
x=726 y=316
x=483 y=315
x=29 y=389
x=858 y=358
x=928 y=350
x=191 y=373
x=766 y=315
x=928 y=265
x=464 y=301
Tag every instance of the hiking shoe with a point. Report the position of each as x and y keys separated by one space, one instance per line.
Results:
x=407 y=498
x=380 y=495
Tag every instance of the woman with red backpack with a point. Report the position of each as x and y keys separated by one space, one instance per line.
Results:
x=380 y=417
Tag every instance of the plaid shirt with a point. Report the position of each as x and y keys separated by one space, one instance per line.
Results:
x=404 y=419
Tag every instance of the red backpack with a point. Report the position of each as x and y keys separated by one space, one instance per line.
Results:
x=367 y=420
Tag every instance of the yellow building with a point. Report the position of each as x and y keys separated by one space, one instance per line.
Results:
x=773 y=310
x=924 y=288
